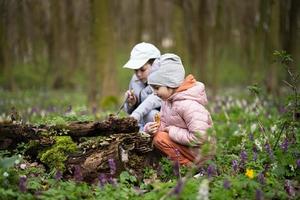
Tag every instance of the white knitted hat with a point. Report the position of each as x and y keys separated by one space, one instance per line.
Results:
x=170 y=73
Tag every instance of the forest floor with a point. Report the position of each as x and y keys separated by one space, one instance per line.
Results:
x=257 y=152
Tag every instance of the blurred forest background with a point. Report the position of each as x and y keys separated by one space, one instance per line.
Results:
x=81 y=45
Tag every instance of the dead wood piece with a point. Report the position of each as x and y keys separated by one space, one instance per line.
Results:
x=13 y=133
x=129 y=152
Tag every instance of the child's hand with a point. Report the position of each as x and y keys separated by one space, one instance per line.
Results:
x=152 y=128
x=166 y=129
x=131 y=98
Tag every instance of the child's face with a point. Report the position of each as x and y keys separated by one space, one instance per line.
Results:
x=162 y=92
x=143 y=72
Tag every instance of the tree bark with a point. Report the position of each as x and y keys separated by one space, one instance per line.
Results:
x=119 y=141
x=17 y=132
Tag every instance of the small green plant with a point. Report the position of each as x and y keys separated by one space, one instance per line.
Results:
x=55 y=156
x=127 y=179
x=148 y=172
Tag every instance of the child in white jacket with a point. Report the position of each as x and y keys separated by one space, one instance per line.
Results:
x=141 y=104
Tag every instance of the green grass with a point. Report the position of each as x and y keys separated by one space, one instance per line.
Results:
x=241 y=122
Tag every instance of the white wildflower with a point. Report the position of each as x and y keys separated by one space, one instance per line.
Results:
x=243 y=142
x=43 y=113
x=247 y=110
x=236 y=133
x=244 y=102
x=203 y=190
x=243 y=132
x=5 y=174
x=238 y=103
x=274 y=166
x=253 y=128
x=292 y=168
x=17 y=161
x=273 y=128
x=258 y=144
x=227 y=105
x=23 y=166
x=71 y=113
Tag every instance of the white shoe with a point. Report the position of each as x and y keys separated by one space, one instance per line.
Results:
x=200 y=174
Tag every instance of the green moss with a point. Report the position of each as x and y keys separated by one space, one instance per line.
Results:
x=55 y=156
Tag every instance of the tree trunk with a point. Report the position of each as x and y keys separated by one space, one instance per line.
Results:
x=25 y=132
x=293 y=46
x=273 y=43
x=102 y=71
x=120 y=141
x=216 y=47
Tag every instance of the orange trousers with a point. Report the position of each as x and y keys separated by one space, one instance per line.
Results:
x=173 y=150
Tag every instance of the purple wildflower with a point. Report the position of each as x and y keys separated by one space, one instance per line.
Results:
x=282 y=109
x=285 y=144
x=176 y=168
x=226 y=184
x=267 y=167
x=251 y=137
x=58 y=175
x=258 y=194
x=289 y=188
x=78 y=173
x=178 y=188
x=211 y=170
x=254 y=156
x=269 y=150
x=255 y=150
x=69 y=109
x=112 y=166
x=102 y=180
x=22 y=184
x=243 y=156
x=235 y=165
x=298 y=163
x=261 y=178
x=34 y=110
x=112 y=181
x=51 y=109
x=94 y=110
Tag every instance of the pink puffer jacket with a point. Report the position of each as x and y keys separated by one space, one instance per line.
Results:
x=186 y=117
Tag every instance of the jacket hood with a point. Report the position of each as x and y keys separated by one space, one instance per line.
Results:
x=190 y=89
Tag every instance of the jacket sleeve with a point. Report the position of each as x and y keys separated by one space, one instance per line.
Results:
x=150 y=103
x=132 y=86
x=197 y=120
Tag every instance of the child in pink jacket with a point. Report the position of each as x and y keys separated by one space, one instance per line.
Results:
x=184 y=120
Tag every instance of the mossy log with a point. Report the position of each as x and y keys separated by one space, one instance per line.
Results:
x=98 y=142
x=12 y=133
x=132 y=152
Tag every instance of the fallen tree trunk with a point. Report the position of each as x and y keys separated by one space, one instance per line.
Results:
x=114 y=139
x=132 y=152
x=13 y=133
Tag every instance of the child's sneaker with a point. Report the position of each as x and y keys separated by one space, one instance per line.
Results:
x=200 y=174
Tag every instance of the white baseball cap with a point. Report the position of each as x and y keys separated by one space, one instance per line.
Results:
x=140 y=54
